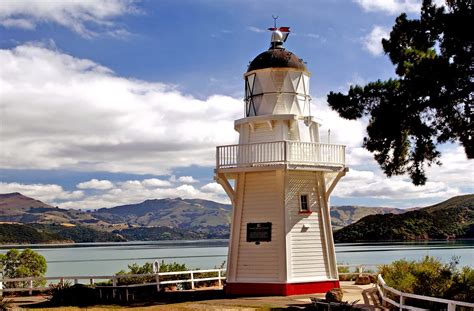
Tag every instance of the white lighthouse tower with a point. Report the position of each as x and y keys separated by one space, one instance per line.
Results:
x=279 y=178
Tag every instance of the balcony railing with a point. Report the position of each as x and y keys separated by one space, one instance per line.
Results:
x=280 y=152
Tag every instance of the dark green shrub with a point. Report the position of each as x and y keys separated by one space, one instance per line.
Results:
x=72 y=295
x=430 y=277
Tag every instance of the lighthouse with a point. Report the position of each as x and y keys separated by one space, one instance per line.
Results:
x=279 y=178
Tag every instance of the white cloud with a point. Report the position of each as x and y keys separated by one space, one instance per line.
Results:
x=43 y=192
x=395 y=188
x=394 y=7
x=18 y=23
x=127 y=192
x=373 y=41
x=96 y=184
x=87 y=18
x=61 y=112
x=213 y=188
x=390 y=6
x=344 y=132
x=155 y=182
x=187 y=179
x=255 y=29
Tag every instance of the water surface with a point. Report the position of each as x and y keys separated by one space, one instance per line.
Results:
x=108 y=258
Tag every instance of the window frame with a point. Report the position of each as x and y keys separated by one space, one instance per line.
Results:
x=300 y=201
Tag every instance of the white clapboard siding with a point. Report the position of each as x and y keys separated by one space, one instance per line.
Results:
x=262 y=132
x=307 y=257
x=260 y=204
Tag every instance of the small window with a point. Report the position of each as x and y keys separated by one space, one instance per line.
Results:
x=304 y=207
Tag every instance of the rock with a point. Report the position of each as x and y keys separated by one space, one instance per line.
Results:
x=363 y=279
x=334 y=295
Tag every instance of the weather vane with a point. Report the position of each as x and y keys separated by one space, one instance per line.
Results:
x=275 y=20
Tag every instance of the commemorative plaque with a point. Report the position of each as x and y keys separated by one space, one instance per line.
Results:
x=259 y=232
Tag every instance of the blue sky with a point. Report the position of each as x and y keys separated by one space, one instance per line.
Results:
x=113 y=102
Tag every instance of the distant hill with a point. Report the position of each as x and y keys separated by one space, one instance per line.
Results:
x=342 y=216
x=17 y=208
x=39 y=233
x=171 y=219
x=453 y=218
x=173 y=213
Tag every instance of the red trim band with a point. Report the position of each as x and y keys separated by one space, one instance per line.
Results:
x=283 y=289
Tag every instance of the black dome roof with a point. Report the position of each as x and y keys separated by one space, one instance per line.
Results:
x=277 y=57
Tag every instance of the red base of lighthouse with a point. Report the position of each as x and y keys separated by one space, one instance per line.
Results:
x=283 y=289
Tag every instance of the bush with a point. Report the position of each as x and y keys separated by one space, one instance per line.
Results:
x=346 y=277
x=147 y=268
x=16 y=264
x=430 y=277
x=72 y=295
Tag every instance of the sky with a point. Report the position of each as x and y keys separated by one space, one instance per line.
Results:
x=112 y=102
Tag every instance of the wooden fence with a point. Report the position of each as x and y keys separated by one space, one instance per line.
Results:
x=387 y=294
x=92 y=279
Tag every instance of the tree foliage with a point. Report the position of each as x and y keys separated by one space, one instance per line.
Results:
x=16 y=264
x=430 y=277
x=430 y=102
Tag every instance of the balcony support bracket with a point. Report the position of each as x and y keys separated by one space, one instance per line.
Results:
x=224 y=182
x=333 y=183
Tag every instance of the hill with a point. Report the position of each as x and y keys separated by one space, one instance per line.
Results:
x=173 y=213
x=17 y=208
x=342 y=216
x=451 y=219
x=39 y=233
x=156 y=219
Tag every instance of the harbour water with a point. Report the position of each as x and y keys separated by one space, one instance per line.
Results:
x=109 y=258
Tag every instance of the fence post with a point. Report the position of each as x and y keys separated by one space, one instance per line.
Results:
x=157 y=276
x=361 y=269
x=1 y=288
x=31 y=286
x=114 y=283
x=192 y=280
x=61 y=281
x=92 y=281
x=76 y=281
x=402 y=302
x=451 y=307
x=156 y=263
x=219 y=276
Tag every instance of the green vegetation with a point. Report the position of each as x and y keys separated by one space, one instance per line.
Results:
x=41 y=233
x=20 y=234
x=147 y=268
x=342 y=216
x=430 y=277
x=166 y=233
x=16 y=264
x=451 y=219
x=79 y=234
x=72 y=295
x=431 y=100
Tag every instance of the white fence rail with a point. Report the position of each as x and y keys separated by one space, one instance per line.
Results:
x=92 y=279
x=280 y=152
x=386 y=293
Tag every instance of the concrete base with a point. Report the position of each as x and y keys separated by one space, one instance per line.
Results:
x=281 y=289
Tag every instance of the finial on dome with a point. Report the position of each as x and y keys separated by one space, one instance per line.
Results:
x=279 y=35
